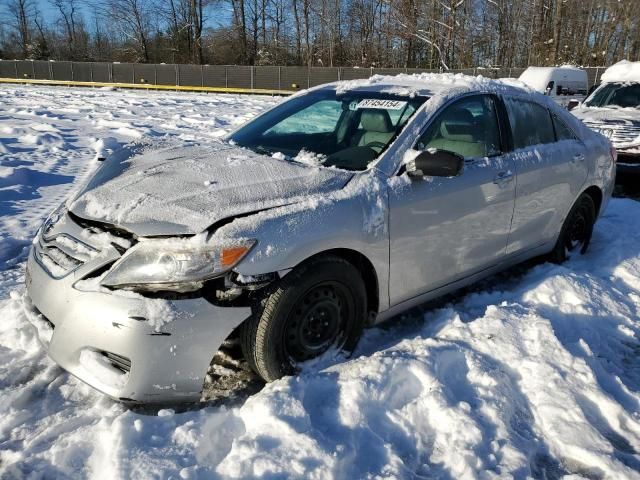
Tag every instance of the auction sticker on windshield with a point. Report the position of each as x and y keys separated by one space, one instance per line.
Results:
x=381 y=103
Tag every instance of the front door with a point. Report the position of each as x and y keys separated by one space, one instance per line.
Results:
x=443 y=229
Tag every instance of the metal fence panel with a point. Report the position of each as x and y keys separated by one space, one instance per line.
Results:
x=7 y=69
x=214 y=76
x=412 y=71
x=594 y=74
x=353 y=73
x=122 y=72
x=266 y=77
x=388 y=71
x=25 y=69
x=236 y=76
x=190 y=75
x=290 y=76
x=62 y=71
x=516 y=72
x=100 y=72
x=144 y=73
x=239 y=76
x=41 y=70
x=166 y=74
x=320 y=75
x=81 y=72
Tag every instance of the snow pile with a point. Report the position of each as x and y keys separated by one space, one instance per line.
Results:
x=623 y=71
x=51 y=137
x=537 y=375
x=430 y=84
x=534 y=373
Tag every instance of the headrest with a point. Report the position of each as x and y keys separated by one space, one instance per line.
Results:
x=458 y=123
x=376 y=120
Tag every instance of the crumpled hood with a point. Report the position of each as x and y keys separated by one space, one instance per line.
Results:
x=184 y=190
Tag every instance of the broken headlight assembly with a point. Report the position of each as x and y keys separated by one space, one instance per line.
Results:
x=174 y=265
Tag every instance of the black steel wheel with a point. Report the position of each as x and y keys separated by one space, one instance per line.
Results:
x=318 y=321
x=319 y=306
x=576 y=231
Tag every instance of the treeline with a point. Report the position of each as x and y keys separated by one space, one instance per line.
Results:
x=367 y=33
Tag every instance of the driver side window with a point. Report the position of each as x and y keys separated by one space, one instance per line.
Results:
x=468 y=127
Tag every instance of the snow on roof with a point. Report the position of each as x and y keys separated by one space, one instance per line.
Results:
x=428 y=84
x=623 y=71
x=539 y=77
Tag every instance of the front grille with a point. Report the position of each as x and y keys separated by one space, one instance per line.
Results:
x=620 y=133
x=62 y=253
x=118 y=361
x=70 y=242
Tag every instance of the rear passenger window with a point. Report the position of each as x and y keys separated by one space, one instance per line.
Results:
x=530 y=123
x=562 y=131
x=468 y=127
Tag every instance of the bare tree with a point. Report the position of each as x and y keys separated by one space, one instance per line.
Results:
x=435 y=34
x=133 y=19
x=21 y=14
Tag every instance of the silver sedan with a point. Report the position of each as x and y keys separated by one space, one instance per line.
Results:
x=337 y=209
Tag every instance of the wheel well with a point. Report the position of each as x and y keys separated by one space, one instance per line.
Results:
x=596 y=195
x=366 y=269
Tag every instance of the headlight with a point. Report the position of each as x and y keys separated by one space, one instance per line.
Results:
x=174 y=264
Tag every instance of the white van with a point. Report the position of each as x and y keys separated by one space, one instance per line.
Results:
x=563 y=84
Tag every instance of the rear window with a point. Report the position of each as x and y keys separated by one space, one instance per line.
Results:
x=530 y=123
x=563 y=132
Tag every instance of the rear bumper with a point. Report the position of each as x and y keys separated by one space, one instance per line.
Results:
x=168 y=361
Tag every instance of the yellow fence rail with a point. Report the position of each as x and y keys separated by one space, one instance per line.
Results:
x=147 y=86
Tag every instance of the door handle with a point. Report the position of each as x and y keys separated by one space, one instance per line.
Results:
x=578 y=158
x=503 y=177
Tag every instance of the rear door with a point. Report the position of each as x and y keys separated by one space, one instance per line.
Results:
x=443 y=229
x=550 y=165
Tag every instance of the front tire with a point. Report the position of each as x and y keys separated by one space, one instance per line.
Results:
x=576 y=231
x=320 y=305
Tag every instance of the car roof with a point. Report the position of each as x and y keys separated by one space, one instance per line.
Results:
x=430 y=84
x=623 y=71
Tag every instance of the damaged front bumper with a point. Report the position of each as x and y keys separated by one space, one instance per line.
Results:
x=108 y=340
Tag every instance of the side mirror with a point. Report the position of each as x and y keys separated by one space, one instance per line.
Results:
x=573 y=103
x=435 y=163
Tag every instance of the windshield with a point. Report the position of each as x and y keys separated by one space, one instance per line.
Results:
x=624 y=95
x=324 y=127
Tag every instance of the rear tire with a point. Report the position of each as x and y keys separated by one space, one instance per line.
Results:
x=576 y=231
x=319 y=306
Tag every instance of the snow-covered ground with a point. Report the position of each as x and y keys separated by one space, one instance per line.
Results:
x=531 y=374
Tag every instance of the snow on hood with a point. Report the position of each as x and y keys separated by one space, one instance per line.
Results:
x=184 y=190
x=608 y=114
